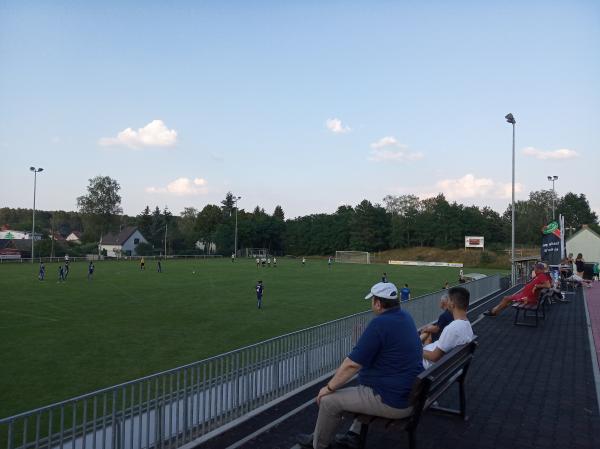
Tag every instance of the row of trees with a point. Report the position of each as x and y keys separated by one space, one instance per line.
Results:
x=401 y=221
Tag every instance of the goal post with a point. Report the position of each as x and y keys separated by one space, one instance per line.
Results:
x=352 y=257
x=257 y=253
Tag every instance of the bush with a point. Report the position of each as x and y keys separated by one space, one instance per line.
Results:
x=144 y=249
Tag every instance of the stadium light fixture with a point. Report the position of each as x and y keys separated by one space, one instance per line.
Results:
x=511 y=119
x=35 y=172
x=552 y=179
x=235 y=200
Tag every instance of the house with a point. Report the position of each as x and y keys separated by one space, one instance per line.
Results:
x=15 y=248
x=74 y=237
x=586 y=242
x=123 y=243
x=11 y=234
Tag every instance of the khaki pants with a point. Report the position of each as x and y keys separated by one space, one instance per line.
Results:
x=359 y=399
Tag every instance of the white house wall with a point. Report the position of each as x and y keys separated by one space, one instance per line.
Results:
x=129 y=244
x=110 y=250
x=586 y=243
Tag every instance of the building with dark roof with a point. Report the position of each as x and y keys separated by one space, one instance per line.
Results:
x=123 y=243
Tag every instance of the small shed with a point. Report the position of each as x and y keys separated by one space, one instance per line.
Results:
x=586 y=242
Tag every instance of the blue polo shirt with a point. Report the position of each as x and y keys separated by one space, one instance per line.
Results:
x=390 y=353
x=404 y=294
x=443 y=320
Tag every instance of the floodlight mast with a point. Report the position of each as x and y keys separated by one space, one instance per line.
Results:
x=235 y=200
x=35 y=172
x=552 y=179
x=511 y=119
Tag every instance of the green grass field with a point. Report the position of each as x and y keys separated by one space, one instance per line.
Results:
x=59 y=340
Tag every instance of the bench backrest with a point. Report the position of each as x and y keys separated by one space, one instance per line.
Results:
x=438 y=377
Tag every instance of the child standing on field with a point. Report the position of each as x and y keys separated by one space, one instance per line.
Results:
x=42 y=273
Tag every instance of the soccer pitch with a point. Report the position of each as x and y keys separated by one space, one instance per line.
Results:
x=59 y=340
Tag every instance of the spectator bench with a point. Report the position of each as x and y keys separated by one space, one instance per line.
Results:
x=537 y=310
x=430 y=385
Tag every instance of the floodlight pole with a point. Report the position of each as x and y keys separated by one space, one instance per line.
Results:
x=35 y=172
x=510 y=119
x=553 y=179
x=236 y=199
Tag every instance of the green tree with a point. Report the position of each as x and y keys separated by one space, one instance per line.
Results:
x=101 y=206
x=144 y=222
x=576 y=210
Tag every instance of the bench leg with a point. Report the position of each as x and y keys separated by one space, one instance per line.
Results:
x=412 y=443
x=462 y=399
x=364 y=430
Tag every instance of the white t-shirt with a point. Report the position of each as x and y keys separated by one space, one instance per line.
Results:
x=458 y=332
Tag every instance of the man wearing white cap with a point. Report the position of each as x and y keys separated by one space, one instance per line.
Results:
x=387 y=358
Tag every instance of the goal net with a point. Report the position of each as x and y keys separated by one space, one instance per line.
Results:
x=352 y=257
x=257 y=253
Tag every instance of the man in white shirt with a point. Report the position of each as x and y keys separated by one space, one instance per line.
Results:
x=458 y=332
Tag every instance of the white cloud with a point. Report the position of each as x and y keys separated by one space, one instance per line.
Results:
x=182 y=186
x=469 y=186
x=382 y=155
x=386 y=142
x=380 y=151
x=563 y=153
x=336 y=126
x=154 y=134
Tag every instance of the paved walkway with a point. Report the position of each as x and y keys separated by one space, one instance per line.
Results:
x=592 y=296
x=527 y=388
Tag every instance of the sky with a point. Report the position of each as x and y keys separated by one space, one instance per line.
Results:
x=309 y=105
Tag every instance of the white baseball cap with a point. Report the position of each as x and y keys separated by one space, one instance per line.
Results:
x=385 y=290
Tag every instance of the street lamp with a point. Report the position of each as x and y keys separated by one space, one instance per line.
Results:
x=35 y=172
x=235 y=200
x=552 y=179
x=510 y=119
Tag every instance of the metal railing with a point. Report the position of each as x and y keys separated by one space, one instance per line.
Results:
x=174 y=407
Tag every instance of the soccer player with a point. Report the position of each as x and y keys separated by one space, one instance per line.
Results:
x=142 y=264
x=42 y=273
x=274 y=262
x=159 y=266
x=66 y=271
x=384 y=277
x=329 y=262
x=269 y=262
x=257 y=262
x=303 y=261
x=405 y=293
x=90 y=271
x=232 y=257
x=259 y=294
x=61 y=273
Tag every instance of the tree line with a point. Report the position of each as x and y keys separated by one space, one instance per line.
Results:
x=398 y=222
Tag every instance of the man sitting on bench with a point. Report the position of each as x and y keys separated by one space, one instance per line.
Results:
x=387 y=358
x=432 y=332
x=458 y=332
x=528 y=294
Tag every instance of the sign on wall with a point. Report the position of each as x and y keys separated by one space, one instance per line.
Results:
x=473 y=242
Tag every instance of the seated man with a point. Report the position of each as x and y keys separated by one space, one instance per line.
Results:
x=458 y=332
x=387 y=358
x=431 y=332
x=528 y=294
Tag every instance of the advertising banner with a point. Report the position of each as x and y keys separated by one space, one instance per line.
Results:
x=551 y=244
x=418 y=263
x=473 y=242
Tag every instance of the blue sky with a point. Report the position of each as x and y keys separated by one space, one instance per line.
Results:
x=306 y=104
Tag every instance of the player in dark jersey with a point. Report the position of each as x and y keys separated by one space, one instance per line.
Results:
x=259 y=294
x=90 y=270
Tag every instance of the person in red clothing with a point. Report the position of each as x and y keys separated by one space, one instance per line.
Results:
x=528 y=294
